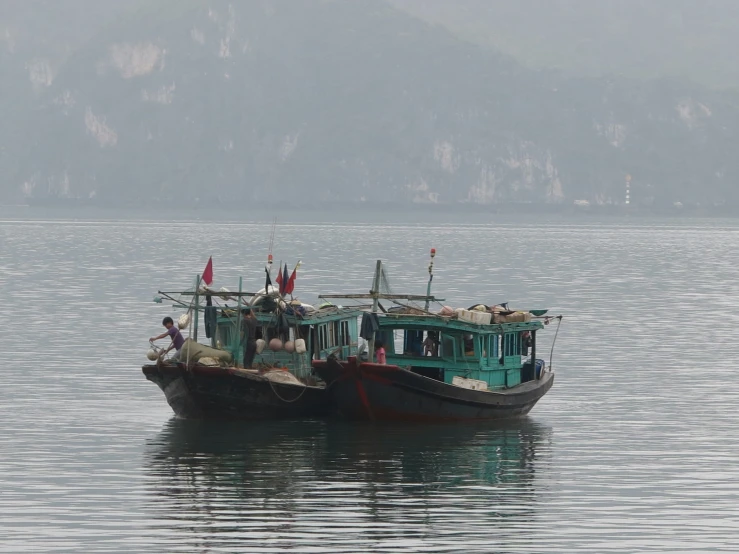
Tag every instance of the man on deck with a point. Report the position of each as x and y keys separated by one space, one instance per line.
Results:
x=172 y=332
x=250 y=337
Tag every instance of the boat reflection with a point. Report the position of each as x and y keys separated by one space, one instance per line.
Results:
x=296 y=480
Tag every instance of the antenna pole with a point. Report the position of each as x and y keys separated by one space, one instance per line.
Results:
x=271 y=245
x=431 y=278
x=375 y=292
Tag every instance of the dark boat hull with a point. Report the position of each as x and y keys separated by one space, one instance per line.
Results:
x=204 y=392
x=365 y=391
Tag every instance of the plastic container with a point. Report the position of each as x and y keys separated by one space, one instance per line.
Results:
x=481 y=318
x=471 y=384
x=300 y=346
x=261 y=343
x=474 y=316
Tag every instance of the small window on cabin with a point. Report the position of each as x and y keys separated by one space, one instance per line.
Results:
x=335 y=327
x=346 y=338
x=447 y=346
x=494 y=351
x=224 y=334
x=511 y=345
x=397 y=343
x=322 y=337
x=413 y=343
x=468 y=342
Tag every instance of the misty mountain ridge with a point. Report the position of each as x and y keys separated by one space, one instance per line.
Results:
x=321 y=102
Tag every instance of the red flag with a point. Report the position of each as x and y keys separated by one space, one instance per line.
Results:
x=278 y=279
x=208 y=272
x=284 y=281
x=290 y=287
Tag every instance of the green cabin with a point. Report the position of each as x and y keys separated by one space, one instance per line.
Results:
x=327 y=330
x=443 y=348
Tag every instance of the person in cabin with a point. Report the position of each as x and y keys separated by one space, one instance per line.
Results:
x=469 y=345
x=172 y=332
x=250 y=337
x=431 y=344
x=380 y=352
x=525 y=342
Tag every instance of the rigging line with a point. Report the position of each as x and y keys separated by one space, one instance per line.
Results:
x=551 y=352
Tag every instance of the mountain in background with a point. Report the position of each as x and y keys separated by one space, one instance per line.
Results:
x=321 y=102
x=691 y=39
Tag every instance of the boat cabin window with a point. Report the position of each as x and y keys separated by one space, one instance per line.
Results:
x=416 y=343
x=448 y=347
x=333 y=334
x=345 y=336
x=225 y=334
x=511 y=344
x=413 y=344
x=491 y=346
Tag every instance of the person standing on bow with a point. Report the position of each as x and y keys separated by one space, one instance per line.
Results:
x=250 y=337
x=174 y=333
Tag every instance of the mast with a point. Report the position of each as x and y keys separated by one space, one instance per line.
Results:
x=196 y=309
x=238 y=324
x=269 y=250
x=431 y=278
x=375 y=292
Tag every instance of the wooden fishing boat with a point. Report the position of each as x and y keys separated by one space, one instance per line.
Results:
x=463 y=365
x=209 y=381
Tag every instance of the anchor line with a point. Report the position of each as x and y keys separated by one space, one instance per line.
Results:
x=277 y=394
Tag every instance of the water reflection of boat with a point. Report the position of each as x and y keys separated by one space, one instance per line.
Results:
x=298 y=473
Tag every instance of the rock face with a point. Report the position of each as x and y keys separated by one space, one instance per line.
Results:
x=319 y=102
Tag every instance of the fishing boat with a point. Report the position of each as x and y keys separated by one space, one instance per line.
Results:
x=452 y=365
x=208 y=381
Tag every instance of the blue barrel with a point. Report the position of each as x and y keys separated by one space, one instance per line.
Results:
x=539 y=368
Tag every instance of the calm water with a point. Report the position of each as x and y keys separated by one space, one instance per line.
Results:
x=633 y=450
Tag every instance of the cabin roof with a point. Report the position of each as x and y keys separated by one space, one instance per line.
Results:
x=440 y=323
x=311 y=318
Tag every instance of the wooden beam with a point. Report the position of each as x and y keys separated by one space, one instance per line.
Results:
x=210 y=293
x=383 y=296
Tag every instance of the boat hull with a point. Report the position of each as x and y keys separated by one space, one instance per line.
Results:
x=365 y=391
x=206 y=392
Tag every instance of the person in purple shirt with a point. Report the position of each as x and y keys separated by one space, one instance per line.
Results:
x=172 y=332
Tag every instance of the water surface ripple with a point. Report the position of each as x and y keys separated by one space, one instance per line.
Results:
x=633 y=450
